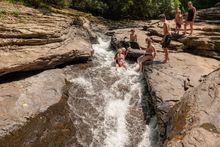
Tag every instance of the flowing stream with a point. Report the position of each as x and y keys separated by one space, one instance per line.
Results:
x=109 y=107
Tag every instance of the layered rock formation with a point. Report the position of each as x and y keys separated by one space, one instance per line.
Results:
x=33 y=105
x=195 y=119
x=211 y=13
x=204 y=41
x=32 y=40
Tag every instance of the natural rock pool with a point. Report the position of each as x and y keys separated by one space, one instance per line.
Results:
x=108 y=107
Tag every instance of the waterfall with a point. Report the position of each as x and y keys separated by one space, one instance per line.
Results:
x=106 y=104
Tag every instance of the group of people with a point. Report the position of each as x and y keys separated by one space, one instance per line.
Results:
x=150 y=49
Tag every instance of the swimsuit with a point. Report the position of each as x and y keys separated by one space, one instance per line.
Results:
x=179 y=22
x=167 y=41
x=190 y=15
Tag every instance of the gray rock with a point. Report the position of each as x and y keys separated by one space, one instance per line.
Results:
x=166 y=81
x=194 y=121
x=34 y=111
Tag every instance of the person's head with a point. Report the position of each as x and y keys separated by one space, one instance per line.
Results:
x=190 y=4
x=123 y=50
x=120 y=51
x=162 y=17
x=132 y=31
x=148 y=41
x=178 y=11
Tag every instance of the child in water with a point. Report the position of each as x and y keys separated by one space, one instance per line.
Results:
x=149 y=55
x=178 y=20
x=120 y=58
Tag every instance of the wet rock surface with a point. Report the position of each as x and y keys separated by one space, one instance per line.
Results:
x=195 y=119
x=33 y=40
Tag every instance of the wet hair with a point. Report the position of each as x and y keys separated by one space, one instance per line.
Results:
x=162 y=16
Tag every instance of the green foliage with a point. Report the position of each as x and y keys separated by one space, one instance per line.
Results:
x=177 y=4
x=117 y=9
x=44 y=3
x=200 y=4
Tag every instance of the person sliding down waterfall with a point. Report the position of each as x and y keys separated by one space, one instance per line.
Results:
x=149 y=55
x=120 y=58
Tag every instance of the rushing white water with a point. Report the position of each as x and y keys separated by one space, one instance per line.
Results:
x=106 y=103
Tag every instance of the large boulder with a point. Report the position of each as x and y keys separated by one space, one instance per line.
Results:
x=34 y=111
x=32 y=40
x=194 y=121
x=210 y=13
x=167 y=83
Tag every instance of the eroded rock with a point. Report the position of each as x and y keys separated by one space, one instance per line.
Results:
x=194 y=121
x=166 y=81
x=32 y=40
x=34 y=111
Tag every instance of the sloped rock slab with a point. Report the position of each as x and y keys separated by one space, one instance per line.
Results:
x=194 y=121
x=34 y=111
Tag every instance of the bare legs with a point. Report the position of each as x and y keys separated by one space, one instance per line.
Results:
x=142 y=59
x=166 y=55
x=191 y=27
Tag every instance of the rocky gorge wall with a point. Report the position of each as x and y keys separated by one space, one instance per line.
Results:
x=33 y=102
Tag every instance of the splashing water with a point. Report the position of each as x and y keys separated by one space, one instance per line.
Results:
x=106 y=105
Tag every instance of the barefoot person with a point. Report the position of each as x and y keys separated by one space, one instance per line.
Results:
x=191 y=18
x=120 y=58
x=167 y=36
x=149 y=55
x=178 y=20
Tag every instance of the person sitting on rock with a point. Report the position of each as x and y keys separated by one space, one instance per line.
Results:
x=178 y=20
x=133 y=40
x=149 y=55
x=191 y=18
x=133 y=36
x=120 y=58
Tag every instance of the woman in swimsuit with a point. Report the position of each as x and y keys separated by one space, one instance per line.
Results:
x=191 y=18
x=149 y=55
x=178 y=20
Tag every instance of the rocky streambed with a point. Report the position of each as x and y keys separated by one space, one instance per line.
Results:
x=52 y=94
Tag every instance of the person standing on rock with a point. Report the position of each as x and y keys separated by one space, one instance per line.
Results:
x=167 y=36
x=190 y=18
x=178 y=20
